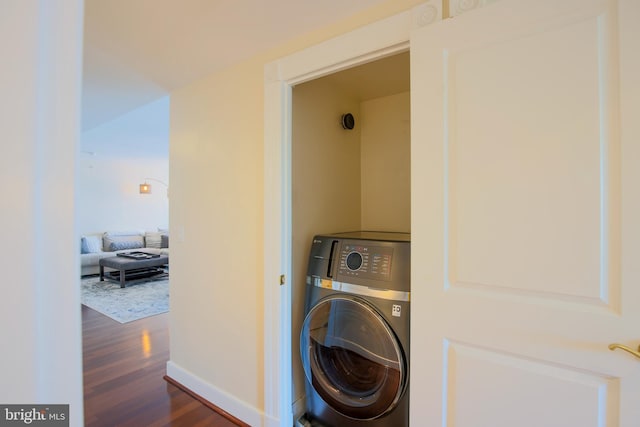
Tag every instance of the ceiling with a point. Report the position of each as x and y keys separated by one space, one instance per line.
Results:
x=383 y=77
x=137 y=51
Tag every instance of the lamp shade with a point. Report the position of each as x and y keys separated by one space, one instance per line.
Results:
x=145 y=188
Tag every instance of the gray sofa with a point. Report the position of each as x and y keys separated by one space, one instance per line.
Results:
x=94 y=247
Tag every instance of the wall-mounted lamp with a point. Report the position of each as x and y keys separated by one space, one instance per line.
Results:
x=145 y=188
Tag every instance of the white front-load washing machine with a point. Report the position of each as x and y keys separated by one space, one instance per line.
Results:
x=354 y=341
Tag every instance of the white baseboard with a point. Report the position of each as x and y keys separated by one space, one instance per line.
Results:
x=223 y=400
x=271 y=422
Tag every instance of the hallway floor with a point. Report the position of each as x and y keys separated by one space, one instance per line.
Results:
x=124 y=366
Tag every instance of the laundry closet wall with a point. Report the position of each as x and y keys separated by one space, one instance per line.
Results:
x=385 y=163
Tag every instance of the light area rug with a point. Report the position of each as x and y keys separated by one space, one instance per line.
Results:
x=136 y=301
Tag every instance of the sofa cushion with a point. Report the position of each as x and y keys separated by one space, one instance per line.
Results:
x=152 y=239
x=164 y=241
x=90 y=244
x=92 y=259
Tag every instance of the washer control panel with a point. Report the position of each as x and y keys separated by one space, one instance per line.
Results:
x=364 y=261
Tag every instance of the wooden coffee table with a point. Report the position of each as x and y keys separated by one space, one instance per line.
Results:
x=130 y=270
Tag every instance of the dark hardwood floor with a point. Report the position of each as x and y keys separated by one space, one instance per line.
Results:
x=124 y=366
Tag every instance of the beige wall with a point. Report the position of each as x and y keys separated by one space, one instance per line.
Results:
x=386 y=159
x=216 y=231
x=216 y=221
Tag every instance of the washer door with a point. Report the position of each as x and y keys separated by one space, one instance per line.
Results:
x=352 y=357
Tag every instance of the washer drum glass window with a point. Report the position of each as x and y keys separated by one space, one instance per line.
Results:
x=352 y=358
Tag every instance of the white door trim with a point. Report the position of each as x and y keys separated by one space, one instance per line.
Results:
x=369 y=43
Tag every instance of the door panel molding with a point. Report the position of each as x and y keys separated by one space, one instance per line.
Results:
x=515 y=381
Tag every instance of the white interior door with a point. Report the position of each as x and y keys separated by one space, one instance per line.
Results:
x=525 y=213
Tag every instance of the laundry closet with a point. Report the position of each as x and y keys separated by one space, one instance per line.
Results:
x=347 y=179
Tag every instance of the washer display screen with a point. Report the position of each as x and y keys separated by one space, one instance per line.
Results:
x=367 y=262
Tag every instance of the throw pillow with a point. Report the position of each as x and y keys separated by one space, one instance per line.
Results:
x=124 y=244
x=153 y=239
x=109 y=239
x=164 y=241
x=90 y=244
x=84 y=248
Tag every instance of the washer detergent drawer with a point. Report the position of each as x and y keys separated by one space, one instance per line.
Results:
x=352 y=358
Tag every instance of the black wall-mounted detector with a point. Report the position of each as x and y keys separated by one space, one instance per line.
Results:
x=348 y=122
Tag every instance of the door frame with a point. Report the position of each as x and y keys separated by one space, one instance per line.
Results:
x=369 y=43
